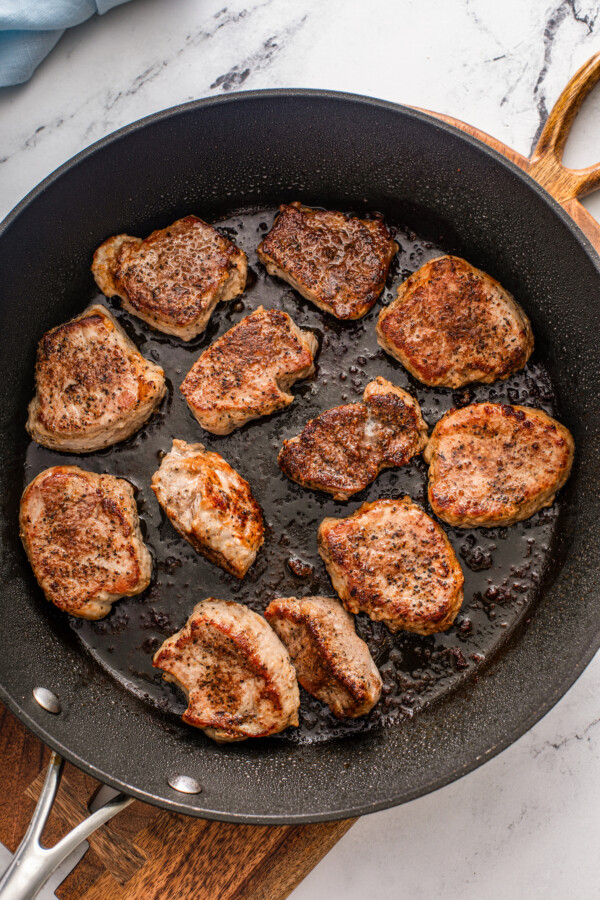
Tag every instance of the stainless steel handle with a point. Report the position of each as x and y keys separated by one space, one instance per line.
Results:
x=32 y=864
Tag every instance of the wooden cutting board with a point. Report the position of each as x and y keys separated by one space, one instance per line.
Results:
x=146 y=853
x=149 y=854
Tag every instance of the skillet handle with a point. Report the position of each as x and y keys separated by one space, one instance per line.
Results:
x=545 y=164
x=32 y=865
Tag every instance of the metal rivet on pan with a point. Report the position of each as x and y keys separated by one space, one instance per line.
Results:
x=185 y=784
x=47 y=700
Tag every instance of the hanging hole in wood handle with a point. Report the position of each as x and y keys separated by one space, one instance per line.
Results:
x=546 y=161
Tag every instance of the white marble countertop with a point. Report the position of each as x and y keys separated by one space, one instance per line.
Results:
x=526 y=824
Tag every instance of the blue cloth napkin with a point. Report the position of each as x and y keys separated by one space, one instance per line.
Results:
x=29 y=29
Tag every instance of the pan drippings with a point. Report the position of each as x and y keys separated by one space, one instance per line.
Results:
x=504 y=567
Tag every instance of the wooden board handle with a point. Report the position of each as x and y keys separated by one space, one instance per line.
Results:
x=565 y=185
x=546 y=161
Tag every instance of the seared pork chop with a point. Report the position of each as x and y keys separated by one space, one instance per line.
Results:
x=210 y=505
x=93 y=386
x=175 y=277
x=337 y=262
x=391 y=561
x=247 y=373
x=331 y=661
x=452 y=324
x=234 y=670
x=494 y=464
x=82 y=535
x=344 y=449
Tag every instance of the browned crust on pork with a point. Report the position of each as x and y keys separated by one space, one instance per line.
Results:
x=332 y=663
x=495 y=464
x=82 y=536
x=248 y=371
x=338 y=262
x=452 y=324
x=222 y=646
x=174 y=278
x=93 y=386
x=343 y=449
x=224 y=509
x=390 y=560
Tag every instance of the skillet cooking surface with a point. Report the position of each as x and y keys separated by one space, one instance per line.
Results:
x=504 y=567
x=253 y=151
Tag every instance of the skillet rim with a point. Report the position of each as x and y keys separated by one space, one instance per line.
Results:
x=584 y=657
